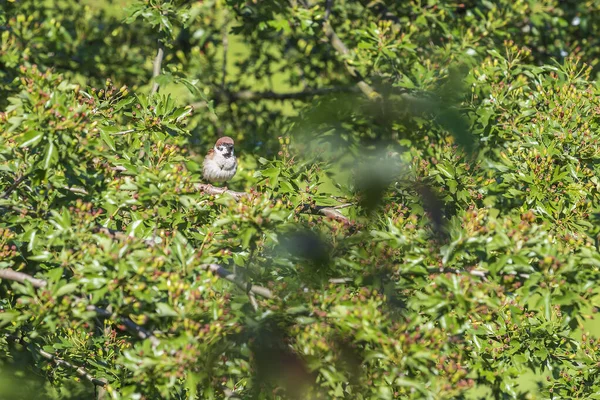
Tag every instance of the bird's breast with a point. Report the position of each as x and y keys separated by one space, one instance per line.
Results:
x=227 y=163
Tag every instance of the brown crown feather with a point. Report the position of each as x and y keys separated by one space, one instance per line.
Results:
x=224 y=140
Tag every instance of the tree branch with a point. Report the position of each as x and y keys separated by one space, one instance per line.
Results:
x=341 y=48
x=12 y=187
x=101 y=391
x=328 y=5
x=250 y=95
x=225 y=43
x=253 y=301
x=380 y=8
x=231 y=277
x=81 y=371
x=210 y=189
x=12 y=275
x=119 y=235
x=157 y=65
x=329 y=212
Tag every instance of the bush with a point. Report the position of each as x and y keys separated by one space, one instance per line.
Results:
x=413 y=215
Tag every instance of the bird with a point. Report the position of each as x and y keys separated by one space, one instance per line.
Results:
x=220 y=164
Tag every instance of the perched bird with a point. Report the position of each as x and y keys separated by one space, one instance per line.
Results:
x=220 y=164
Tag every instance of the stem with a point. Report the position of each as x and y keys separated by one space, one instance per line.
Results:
x=12 y=187
x=81 y=371
x=157 y=65
x=231 y=277
x=330 y=212
x=225 y=42
x=341 y=48
x=12 y=275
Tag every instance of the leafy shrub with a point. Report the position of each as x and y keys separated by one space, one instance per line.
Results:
x=413 y=215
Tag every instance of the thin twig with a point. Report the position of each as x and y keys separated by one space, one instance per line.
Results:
x=101 y=392
x=333 y=214
x=141 y=332
x=253 y=301
x=225 y=43
x=329 y=212
x=15 y=184
x=210 y=189
x=383 y=12
x=231 y=277
x=341 y=48
x=250 y=95
x=328 y=4
x=120 y=235
x=12 y=275
x=157 y=65
x=124 y=132
x=340 y=280
x=479 y=273
x=80 y=370
x=75 y=189
x=343 y=206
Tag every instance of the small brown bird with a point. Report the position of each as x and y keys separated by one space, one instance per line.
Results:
x=220 y=164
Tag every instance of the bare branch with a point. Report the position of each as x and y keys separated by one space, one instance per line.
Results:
x=341 y=48
x=383 y=12
x=141 y=332
x=231 y=277
x=225 y=42
x=479 y=273
x=210 y=189
x=15 y=184
x=60 y=362
x=80 y=370
x=75 y=189
x=343 y=206
x=249 y=95
x=101 y=392
x=333 y=214
x=328 y=5
x=253 y=301
x=329 y=212
x=12 y=275
x=119 y=235
x=340 y=280
x=124 y=132
x=157 y=65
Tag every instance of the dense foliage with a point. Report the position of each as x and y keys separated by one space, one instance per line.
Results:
x=418 y=216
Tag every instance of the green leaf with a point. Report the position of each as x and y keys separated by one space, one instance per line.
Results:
x=66 y=289
x=7 y=316
x=108 y=140
x=31 y=138
x=51 y=156
x=165 y=310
